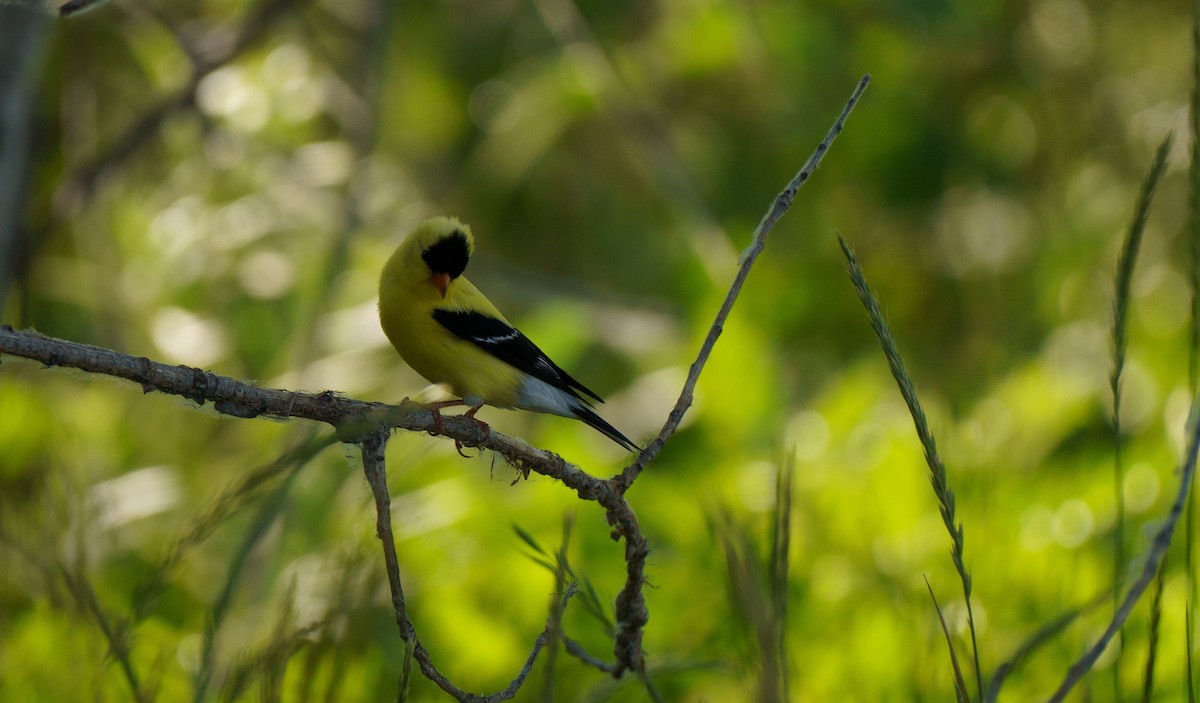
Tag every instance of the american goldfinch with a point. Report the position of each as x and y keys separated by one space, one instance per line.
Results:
x=449 y=332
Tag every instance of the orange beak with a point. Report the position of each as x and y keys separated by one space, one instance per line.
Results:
x=441 y=281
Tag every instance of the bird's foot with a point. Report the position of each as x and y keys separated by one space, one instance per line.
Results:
x=485 y=428
x=437 y=419
x=436 y=410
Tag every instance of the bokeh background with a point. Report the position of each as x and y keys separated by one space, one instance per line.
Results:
x=218 y=183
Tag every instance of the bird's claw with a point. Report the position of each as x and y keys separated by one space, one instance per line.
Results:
x=437 y=419
x=485 y=428
x=439 y=423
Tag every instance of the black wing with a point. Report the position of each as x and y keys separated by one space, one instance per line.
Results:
x=507 y=344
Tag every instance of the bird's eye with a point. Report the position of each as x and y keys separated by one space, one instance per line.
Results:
x=425 y=256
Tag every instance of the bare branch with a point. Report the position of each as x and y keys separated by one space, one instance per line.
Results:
x=352 y=418
x=367 y=423
x=621 y=482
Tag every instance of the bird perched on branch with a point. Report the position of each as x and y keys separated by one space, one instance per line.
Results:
x=449 y=332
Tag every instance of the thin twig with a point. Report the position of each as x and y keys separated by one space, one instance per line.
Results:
x=542 y=640
x=373 y=446
x=576 y=650
x=621 y=482
x=1158 y=548
x=373 y=465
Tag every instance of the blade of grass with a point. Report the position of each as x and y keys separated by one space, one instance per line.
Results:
x=1187 y=626
x=1162 y=541
x=406 y=671
x=758 y=585
x=230 y=501
x=588 y=598
x=350 y=609
x=960 y=686
x=747 y=592
x=1120 y=341
x=266 y=516
x=1040 y=637
x=539 y=555
x=1194 y=339
x=267 y=665
x=280 y=648
x=780 y=544
x=120 y=632
x=937 y=471
x=554 y=621
x=648 y=684
x=1155 y=619
x=1194 y=181
x=116 y=635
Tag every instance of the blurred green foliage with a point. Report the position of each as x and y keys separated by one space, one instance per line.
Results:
x=612 y=159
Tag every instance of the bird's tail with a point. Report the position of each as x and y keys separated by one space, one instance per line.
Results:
x=589 y=416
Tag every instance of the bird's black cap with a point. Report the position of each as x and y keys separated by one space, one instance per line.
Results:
x=449 y=254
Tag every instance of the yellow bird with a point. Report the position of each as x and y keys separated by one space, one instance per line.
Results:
x=449 y=332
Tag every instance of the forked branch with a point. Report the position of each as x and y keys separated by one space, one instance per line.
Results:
x=368 y=424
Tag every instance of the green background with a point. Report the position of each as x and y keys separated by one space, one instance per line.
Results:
x=613 y=160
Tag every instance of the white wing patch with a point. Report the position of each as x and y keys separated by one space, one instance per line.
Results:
x=499 y=339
